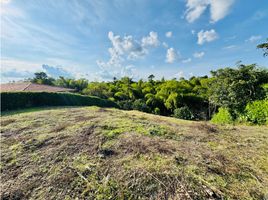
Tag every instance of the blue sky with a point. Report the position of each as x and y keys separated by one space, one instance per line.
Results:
x=100 y=39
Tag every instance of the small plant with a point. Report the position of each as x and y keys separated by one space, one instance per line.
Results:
x=257 y=112
x=157 y=111
x=183 y=113
x=222 y=117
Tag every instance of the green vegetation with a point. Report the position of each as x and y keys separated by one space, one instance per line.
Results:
x=19 y=100
x=257 y=112
x=222 y=117
x=231 y=88
x=102 y=153
x=183 y=113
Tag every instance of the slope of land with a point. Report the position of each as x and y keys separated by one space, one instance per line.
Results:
x=97 y=153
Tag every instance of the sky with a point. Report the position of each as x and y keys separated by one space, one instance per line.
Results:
x=102 y=39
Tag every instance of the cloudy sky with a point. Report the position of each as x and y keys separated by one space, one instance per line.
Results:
x=100 y=39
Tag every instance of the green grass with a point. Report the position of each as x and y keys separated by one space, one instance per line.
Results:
x=101 y=153
x=27 y=110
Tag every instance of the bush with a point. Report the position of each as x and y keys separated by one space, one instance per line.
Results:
x=19 y=100
x=140 y=105
x=183 y=113
x=257 y=112
x=157 y=111
x=125 y=105
x=222 y=117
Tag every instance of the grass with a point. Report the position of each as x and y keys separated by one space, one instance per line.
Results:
x=99 y=153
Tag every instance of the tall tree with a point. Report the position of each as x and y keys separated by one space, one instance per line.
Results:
x=151 y=78
x=42 y=78
x=234 y=88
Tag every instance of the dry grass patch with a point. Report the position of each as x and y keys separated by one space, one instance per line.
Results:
x=101 y=153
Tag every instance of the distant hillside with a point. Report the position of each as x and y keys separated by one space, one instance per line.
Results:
x=101 y=153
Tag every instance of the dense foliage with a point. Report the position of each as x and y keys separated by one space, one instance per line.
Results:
x=183 y=113
x=223 y=116
x=257 y=112
x=234 y=88
x=18 y=100
x=230 y=88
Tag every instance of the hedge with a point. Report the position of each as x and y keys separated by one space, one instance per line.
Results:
x=19 y=100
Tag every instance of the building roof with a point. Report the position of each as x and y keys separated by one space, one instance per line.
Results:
x=32 y=87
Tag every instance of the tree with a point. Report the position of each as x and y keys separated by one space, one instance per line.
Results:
x=151 y=77
x=40 y=75
x=264 y=47
x=234 y=88
x=42 y=78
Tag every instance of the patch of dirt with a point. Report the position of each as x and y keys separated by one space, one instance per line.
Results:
x=81 y=118
x=12 y=195
x=7 y=122
x=9 y=133
x=133 y=143
x=103 y=110
x=59 y=128
x=84 y=141
x=37 y=144
x=205 y=127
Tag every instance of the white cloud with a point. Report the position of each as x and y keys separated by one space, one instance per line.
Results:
x=151 y=40
x=172 y=55
x=193 y=32
x=56 y=72
x=180 y=74
x=5 y=1
x=20 y=65
x=128 y=47
x=125 y=48
x=229 y=47
x=165 y=44
x=15 y=70
x=169 y=34
x=187 y=60
x=254 y=38
x=206 y=36
x=107 y=75
x=218 y=9
x=199 y=54
x=195 y=8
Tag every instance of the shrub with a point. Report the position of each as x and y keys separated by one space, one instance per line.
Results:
x=183 y=113
x=19 y=100
x=257 y=112
x=222 y=117
x=157 y=111
x=125 y=105
x=140 y=105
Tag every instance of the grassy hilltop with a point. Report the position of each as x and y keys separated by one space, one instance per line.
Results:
x=97 y=153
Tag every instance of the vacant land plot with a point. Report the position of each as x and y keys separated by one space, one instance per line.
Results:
x=97 y=153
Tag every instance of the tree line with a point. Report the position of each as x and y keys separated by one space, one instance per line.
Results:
x=229 y=94
x=197 y=98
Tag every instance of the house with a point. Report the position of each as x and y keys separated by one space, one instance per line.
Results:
x=32 y=87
